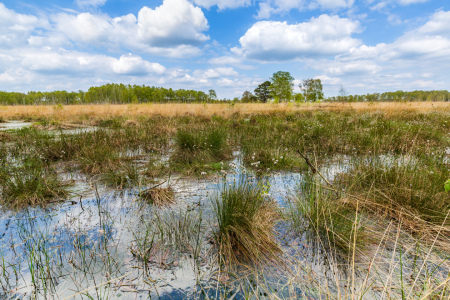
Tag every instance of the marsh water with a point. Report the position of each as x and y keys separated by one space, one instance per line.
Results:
x=86 y=241
x=88 y=246
x=14 y=125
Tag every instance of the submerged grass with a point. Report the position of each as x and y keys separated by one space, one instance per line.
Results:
x=163 y=237
x=245 y=218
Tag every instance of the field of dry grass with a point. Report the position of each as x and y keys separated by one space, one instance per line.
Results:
x=72 y=112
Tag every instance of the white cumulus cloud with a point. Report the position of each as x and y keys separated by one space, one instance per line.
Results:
x=276 y=41
x=175 y=29
x=173 y=23
x=134 y=65
x=84 y=28
x=15 y=29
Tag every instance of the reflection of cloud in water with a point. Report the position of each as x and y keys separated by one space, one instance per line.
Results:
x=68 y=230
x=11 y=125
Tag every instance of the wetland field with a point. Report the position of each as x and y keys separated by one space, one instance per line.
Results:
x=225 y=201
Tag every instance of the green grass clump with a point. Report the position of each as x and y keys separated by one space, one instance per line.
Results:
x=127 y=175
x=328 y=218
x=216 y=142
x=20 y=188
x=114 y=123
x=412 y=183
x=245 y=218
x=198 y=150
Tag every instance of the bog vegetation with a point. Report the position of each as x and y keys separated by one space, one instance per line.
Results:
x=263 y=201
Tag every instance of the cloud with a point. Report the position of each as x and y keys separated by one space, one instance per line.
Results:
x=384 y=4
x=423 y=83
x=175 y=29
x=85 y=28
x=134 y=65
x=407 y=2
x=15 y=29
x=429 y=42
x=93 y=3
x=225 y=60
x=439 y=24
x=223 y=4
x=269 y=7
x=215 y=73
x=325 y=79
x=354 y=68
x=278 y=41
x=225 y=82
x=173 y=23
x=416 y=60
x=47 y=62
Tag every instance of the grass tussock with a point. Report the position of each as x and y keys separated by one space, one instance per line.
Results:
x=158 y=196
x=200 y=149
x=245 y=218
x=33 y=187
x=327 y=217
x=126 y=175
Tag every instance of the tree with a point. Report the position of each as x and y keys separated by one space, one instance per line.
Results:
x=281 y=86
x=262 y=91
x=248 y=97
x=312 y=89
x=298 y=97
x=212 y=95
x=342 y=94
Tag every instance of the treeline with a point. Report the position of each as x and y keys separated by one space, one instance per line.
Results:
x=109 y=93
x=398 y=96
x=280 y=88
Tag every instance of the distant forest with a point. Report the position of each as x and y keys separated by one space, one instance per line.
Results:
x=109 y=93
x=126 y=94
x=398 y=96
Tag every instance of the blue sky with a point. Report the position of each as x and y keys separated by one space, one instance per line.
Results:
x=227 y=45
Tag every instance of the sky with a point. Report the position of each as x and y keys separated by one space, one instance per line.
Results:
x=231 y=46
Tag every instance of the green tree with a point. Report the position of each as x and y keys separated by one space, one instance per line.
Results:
x=262 y=91
x=342 y=94
x=298 y=97
x=248 y=97
x=212 y=95
x=281 y=86
x=312 y=89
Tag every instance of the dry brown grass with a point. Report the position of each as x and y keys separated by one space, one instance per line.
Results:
x=101 y=111
x=159 y=197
